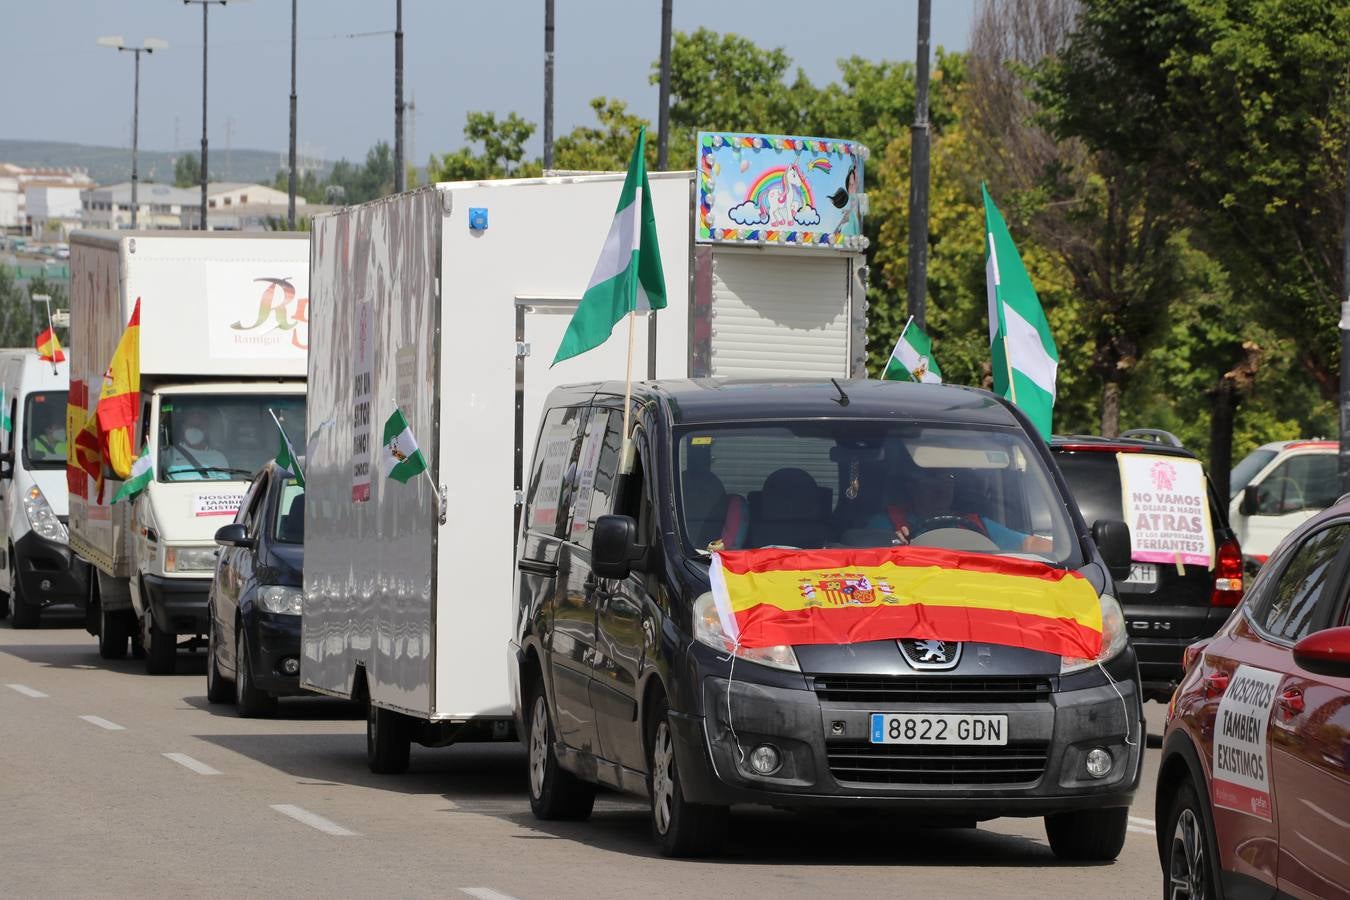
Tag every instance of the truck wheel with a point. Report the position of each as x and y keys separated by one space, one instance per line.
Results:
x=388 y=741
x=680 y=828
x=26 y=615
x=1188 y=864
x=161 y=648
x=112 y=633
x=249 y=701
x=555 y=793
x=218 y=690
x=1088 y=835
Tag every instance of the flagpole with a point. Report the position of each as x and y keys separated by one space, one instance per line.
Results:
x=626 y=464
x=1007 y=358
x=50 y=327
x=903 y=330
x=435 y=489
x=271 y=412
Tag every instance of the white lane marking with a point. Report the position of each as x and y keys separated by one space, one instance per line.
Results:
x=188 y=762
x=312 y=820
x=25 y=690
x=485 y=893
x=103 y=723
x=1137 y=830
x=1147 y=823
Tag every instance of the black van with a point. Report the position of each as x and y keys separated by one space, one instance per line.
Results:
x=624 y=677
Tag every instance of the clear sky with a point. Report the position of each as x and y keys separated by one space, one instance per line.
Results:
x=459 y=56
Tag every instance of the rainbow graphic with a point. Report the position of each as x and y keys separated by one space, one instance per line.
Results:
x=774 y=178
x=822 y=164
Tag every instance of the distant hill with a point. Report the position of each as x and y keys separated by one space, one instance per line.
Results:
x=109 y=165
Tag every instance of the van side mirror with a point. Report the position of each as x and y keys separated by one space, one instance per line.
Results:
x=1251 y=500
x=1325 y=652
x=1112 y=538
x=233 y=535
x=614 y=547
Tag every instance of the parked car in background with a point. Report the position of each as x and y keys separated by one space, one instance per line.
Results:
x=1276 y=488
x=1253 y=795
x=253 y=641
x=1166 y=607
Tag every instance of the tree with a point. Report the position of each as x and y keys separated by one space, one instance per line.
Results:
x=606 y=146
x=502 y=154
x=187 y=171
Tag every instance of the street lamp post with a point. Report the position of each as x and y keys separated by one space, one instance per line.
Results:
x=150 y=45
x=290 y=181
x=205 y=4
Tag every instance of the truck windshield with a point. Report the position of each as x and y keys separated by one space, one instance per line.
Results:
x=44 y=430
x=224 y=437
x=861 y=483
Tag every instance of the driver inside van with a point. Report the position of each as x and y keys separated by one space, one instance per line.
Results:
x=50 y=442
x=926 y=500
x=191 y=453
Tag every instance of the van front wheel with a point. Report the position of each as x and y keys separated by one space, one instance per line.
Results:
x=680 y=828
x=555 y=793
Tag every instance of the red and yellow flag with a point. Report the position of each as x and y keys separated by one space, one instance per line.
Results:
x=87 y=453
x=772 y=596
x=120 y=399
x=49 y=347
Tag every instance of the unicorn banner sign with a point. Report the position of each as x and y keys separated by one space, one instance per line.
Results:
x=777 y=189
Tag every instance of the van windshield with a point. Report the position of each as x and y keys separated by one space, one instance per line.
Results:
x=44 y=430
x=224 y=437
x=861 y=483
x=1245 y=471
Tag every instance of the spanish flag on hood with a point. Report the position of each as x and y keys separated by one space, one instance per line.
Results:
x=119 y=401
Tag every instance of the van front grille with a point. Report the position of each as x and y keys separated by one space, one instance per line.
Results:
x=859 y=762
x=886 y=689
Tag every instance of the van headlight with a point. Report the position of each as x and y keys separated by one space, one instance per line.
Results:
x=277 y=598
x=41 y=519
x=708 y=630
x=1114 y=638
x=189 y=559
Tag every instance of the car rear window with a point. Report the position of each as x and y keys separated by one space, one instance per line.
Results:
x=1094 y=481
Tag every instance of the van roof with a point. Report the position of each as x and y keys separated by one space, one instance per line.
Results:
x=707 y=400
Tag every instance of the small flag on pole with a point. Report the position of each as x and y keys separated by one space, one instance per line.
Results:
x=402 y=458
x=49 y=347
x=628 y=276
x=286 y=458
x=912 y=359
x=1025 y=359
x=142 y=470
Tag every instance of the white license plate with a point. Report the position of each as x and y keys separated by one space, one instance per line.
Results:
x=1142 y=573
x=930 y=728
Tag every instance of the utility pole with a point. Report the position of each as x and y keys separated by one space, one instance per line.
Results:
x=548 y=84
x=150 y=45
x=918 y=186
x=290 y=181
x=205 y=5
x=398 y=97
x=1344 y=454
x=663 y=117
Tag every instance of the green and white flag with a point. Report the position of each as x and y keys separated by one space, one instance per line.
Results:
x=1025 y=359
x=142 y=470
x=286 y=459
x=912 y=359
x=628 y=276
x=402 y=459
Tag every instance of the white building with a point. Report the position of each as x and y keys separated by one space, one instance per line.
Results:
x=17 y=181
x=227 y=194
x=158 y=206
x=53 y=212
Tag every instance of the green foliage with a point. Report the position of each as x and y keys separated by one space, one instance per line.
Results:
x=502 y=156
x=606 y=146
x=187 y=171
x=20 y=319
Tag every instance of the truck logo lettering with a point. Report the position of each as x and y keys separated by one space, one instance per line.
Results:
x=279 y=303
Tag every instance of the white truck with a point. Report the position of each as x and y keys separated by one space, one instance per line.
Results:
x=37 y=569
x=450 y=301
x=223 y=337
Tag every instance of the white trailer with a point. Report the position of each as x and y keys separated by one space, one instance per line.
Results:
x=451 y=302
x=223 y=340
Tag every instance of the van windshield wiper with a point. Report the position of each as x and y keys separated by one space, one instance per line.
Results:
x=206 y=470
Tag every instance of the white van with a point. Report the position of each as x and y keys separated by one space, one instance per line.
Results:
x=37 y=569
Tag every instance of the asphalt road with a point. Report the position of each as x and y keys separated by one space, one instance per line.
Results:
x=114 y=783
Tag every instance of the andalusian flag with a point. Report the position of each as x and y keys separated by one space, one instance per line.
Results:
x=402 y=459
x=286 y=459
x=142 y=470
x=1025 y=359
x=912 y=359
x=49 y=347
x=769 y=597
x=628 y=276
x=119 y=401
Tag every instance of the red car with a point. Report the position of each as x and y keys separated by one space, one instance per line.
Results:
x=1254 y=786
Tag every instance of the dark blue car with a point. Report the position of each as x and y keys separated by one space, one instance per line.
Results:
x=254 y=628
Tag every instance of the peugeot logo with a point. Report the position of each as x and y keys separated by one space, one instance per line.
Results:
x=922 y=653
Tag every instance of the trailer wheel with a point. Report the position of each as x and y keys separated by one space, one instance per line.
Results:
x=388 y=740
x=112 y=632
x=217 y=688
x=249 y=700
x=161 y=648
x=555 y=793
